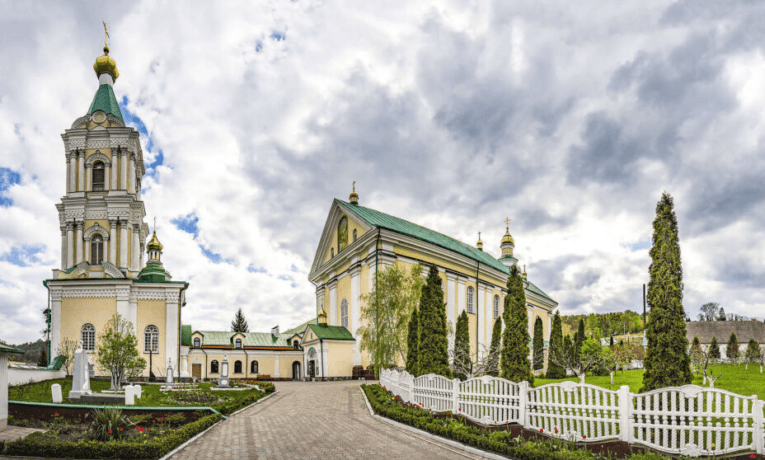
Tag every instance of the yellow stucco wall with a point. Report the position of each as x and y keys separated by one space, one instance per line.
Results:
x=76 y=312
x=152 y=312
x=340 y=359
x=343 y=292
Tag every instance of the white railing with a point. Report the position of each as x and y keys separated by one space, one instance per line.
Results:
x=688 y=420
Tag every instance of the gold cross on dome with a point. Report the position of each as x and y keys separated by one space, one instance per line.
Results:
x=155 y=223
x=354 y=186
x=106 y=34
x=507 y=223
x=479 y=236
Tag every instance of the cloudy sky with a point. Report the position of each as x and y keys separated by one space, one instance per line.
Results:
x=451 y=114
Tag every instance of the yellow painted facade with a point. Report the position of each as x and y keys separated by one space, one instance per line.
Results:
x=340 y=358
x=152 y=312
x=76 y=312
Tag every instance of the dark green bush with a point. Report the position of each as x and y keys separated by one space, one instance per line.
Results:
x=37 y=445
x=108 y=424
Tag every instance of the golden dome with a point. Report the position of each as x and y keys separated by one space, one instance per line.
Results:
x=479 y=244
x=154 y=244
x=105 y=64
x=322 y=317
x=354 y=198
x=507 y=239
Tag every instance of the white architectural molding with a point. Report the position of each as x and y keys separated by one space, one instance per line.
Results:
x=332 y=313
x=98 y=156
x=95 y=228
x=356 y=311
x=144 y=294
x=75 y=293
x=98 y=144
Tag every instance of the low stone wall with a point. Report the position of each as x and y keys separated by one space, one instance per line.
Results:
x=22 y=375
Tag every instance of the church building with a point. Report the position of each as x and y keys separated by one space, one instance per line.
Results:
x=103 y=239
x=357 y=241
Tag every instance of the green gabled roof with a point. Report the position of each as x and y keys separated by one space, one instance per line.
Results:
x=186 y=335
x=331 y=332
x=6 y=349
x=380 y=219
x=301 y=328
x=251 y=339
x=106 y=102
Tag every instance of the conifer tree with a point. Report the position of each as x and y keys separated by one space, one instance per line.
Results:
x=239 y=324
x=714 y=349
x=413 y=345
x=515 y=341
x=753 y=353
x=554 y=370
x=539 y=345
x=579 y=338
x=462 y=345
x=494 y=351
x=666 y=363
x=732 y=351
x=434 y=345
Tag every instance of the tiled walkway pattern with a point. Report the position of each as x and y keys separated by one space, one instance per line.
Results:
x=312 y=420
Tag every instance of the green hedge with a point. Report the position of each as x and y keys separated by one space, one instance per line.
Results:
x=38 y=445
x=500 y=442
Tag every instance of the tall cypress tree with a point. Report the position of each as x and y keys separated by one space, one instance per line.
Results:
x=714 y=349
x=515 y=341
x=434 y=345
x=666 y=363
x=413 y=345
x=579 y=339
x=239 y=324
x=462 y=346
x=539 y=345
x=556 y=371
x=496 y=342
x=731 y=352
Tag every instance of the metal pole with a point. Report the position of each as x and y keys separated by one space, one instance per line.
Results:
x=643 y=305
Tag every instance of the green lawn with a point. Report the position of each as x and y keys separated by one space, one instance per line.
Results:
x=735 y=378
x=150 y=394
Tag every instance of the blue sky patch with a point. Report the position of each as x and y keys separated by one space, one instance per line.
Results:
x=258 y=47
x=8 y=177
x=135 y=121
x=278 y=36
x=213 y=256
x=640 y=246
x=24 y=255
x=187 y=224
x=253 y=269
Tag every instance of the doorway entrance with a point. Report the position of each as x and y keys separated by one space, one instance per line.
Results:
x=296 y=370
x=312 y=368
x=196 y=371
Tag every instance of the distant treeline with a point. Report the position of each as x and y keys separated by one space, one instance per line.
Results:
x=32 y=351
x=605 y=324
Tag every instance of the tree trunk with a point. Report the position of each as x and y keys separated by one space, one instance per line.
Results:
x=581 y=376
x=612 y=377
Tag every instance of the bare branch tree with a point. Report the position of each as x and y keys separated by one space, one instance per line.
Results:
x=471 y=366
x=590 y=358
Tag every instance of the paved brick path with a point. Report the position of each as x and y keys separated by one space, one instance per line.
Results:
x=317 y=420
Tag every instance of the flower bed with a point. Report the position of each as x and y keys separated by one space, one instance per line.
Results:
x=510 y=439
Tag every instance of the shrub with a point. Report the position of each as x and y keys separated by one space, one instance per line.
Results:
x=141 y=419
x=108 y=424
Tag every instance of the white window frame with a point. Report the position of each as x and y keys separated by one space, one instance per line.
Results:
x=344 y=313
x=88 y=336
x=470 y=298
x=151 y=339
x=238 y=343
x=496 y=306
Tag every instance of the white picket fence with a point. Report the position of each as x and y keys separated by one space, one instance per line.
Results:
x=688 y=420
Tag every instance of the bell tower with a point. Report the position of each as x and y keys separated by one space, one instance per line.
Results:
x=101 y=215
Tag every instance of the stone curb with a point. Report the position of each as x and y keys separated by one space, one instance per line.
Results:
x=437 y=439
x=189 y=441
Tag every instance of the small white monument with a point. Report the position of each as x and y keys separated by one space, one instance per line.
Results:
x=223 y=383
x=137 y=389
x=56 y=393
x=169 y=375
x=129 y=395
x=81 y=376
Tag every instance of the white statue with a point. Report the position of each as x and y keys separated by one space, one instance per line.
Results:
x=81 y=375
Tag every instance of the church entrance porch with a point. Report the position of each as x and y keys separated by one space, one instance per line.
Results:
x=196 y=371
x=296 y=371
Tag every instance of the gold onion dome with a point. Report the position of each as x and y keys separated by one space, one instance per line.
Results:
x=354 y=198
x=105 y=64
x=154 y=244
x=479 y=244
x=508 y=239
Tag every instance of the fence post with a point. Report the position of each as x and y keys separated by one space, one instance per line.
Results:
x=523 y=403
x=759 y=442
x=456 y=396
x=625 y=414
x=410 y=379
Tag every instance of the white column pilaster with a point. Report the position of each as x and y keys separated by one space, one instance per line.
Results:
x=481 y=304
x=3 y=390
x=55 y=321
x=69 y=180
x=332 y=313
x=114 y=171
x=86 y=244
x=324 y=359
x=63 y=247
x=113 y=242
x=88 y=178
x=123 y=170
x=69 y=244
x=171 y=334
x=276 y=366
x=80 y=243
x=451 y=307
x=461 y=293
x=131 y=174
x=135 y=249
x=81 y=171
x=107 y=176
x=356 y=312
x=123 y=245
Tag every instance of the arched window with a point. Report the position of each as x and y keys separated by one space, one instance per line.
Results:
x=470 y=299
x=331 y=252
x=254 y=367
x=342 y=234
x=197 y=342
x=344 y=313
x=88 y=337
x=496 y=306
x=296 y=345
x=98 y=175
x=237 y=367
x=354 y=235
x=238 y=343
x=214 y=366
x=151 y=339
x=96 y=249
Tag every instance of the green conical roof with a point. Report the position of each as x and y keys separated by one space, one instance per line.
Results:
x=154 y=272
x=106 y=102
